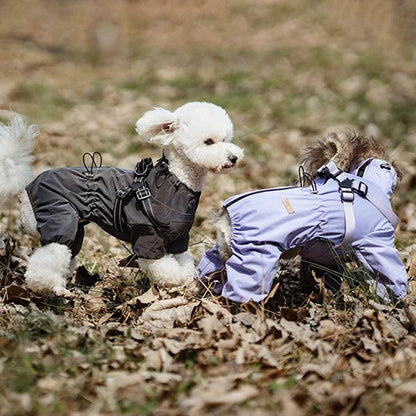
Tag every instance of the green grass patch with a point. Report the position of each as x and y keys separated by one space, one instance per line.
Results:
x=40 y=99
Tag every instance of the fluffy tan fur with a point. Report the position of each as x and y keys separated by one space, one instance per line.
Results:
x=346 y=150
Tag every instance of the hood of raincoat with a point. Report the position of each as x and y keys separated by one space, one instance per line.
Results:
x=379 y=172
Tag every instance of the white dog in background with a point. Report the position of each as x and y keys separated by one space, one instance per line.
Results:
x=153 y=207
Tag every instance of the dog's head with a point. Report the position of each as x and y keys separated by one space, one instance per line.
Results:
x=199 y=131
x=348 y=151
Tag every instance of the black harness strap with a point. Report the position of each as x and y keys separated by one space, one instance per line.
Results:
x=138 y=188
x=363 y=167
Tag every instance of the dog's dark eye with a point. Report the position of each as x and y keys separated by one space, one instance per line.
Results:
x=209 y=141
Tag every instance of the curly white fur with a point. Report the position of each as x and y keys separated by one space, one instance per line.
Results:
x=16 y=145
x=48 y=267
x=27 y=217
x=172 y=270
x=196 y=138
x=155 y=126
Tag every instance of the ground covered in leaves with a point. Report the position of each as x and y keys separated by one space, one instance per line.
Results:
x=286 y=72
x=112 y=350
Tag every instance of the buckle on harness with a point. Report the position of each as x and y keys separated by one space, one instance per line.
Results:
x=143 y=192
x=347 y=195
x=322 y=172
x=346 y=189
x=362 y=189
x=329 y=170
x=143 y=168
x=123 y=192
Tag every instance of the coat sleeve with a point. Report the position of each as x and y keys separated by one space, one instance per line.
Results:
x=146 y=243
x=210 y=263
x=250 y=271
x=210 y=270
x=180 y=245
x=381 y=258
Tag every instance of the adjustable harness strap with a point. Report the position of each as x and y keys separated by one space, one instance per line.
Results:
x=363 y=167
x=121 y=195
x=138 y=188
x=142 y=169
x=348 y=188
x=347 y=198
x=386 y=211
x=330 y=170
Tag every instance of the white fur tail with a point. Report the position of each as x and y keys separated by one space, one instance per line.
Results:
x=16 y=145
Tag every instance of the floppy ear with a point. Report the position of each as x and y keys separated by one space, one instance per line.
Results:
x=335 y=150
x=322 y=151
x=157 y=126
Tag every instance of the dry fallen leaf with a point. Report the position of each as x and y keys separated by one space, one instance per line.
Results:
x=166 y=313
x=411 y=263
x=16 y=294
x=407 y=389
x=328 y=329
x=93 y=304
x=221 y=392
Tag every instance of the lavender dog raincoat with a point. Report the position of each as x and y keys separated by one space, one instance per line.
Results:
x=266 y=223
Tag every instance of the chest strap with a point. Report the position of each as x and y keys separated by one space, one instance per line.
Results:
x=348 y=188
x=138 y=188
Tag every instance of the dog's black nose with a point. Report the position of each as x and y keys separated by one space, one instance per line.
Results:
x=233 y=159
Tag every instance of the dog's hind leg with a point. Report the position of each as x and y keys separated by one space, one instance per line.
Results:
x=48 y=268
x=27 y=216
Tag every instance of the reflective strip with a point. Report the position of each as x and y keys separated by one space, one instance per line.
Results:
x=260 y=191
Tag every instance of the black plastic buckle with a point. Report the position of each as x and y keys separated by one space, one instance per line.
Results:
x=143 y=192
x=362 y=189
x=122 y=193
x=322 y=172
x=143 y=168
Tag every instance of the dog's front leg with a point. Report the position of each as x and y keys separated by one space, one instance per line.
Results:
x=172 y=270
x=186 y=262
x=48 y=268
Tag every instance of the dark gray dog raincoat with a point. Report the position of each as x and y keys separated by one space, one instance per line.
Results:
x=148 y=207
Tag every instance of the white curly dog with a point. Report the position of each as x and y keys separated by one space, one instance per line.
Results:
x=152 y=207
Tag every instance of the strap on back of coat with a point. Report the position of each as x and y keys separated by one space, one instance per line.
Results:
x=348 y=188
x=138 y=187
x=363 y=167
